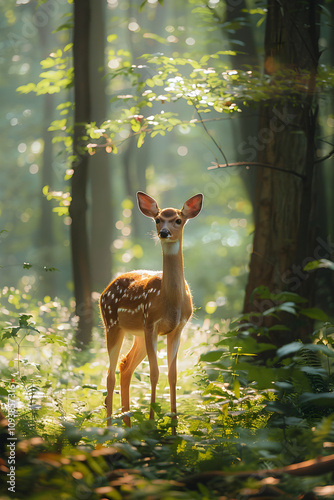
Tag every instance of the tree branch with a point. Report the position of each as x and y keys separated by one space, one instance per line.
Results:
x=211 y=137
x=326 y=157
x=257 y=164
x=315 y=467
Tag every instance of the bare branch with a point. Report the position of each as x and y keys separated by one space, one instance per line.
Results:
x=324 y=158
x=256 y=164
x=211 y=137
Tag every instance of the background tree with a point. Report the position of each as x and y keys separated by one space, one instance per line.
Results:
x=285 y=231
x=99 y=164
x=79 y=180
x=46 y=237
x=148 y=102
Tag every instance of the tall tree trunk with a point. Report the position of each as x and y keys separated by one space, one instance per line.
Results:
x=99 y=164
x=284 y=235
x=46 y=228
x=46 y=225
x=78 y=208
x=246 y=57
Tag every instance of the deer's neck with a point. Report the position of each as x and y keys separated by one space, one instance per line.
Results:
x=173 y=286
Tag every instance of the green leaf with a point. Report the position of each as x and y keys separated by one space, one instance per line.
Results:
x=262 y=291
x=111 y=38
x=279 y=328
x=135 y=125
x=314 y=313
x=214 y=390
x=26 y=265
x=312 y=370
x=58 y=125
x=288 y=307
x=320 y=348
x=236 y=388
x=25 y=89
x=142 y=5
x=53 y=339
x=24 y=320
x=289 y=349
x=318 y=264
x=289 y=297
x=10 y=333
x=60 y=210
x=65 y=26
x=155 y=37
x=50 y=269
x=150 y=82
x=324 y=399
x=141 y=139
x=212 y=356
x=277 y=407
x=285 y=386
x=260 y=21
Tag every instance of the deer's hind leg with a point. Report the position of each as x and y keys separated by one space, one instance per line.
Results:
x=115 y=336
x=127 y=366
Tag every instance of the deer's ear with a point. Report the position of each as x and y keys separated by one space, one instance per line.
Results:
x=147 y=205
x=193 y=206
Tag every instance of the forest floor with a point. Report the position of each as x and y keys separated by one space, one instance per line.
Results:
x=245 y=430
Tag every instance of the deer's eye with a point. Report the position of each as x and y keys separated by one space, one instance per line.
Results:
x=178 y=221
x=157 y=221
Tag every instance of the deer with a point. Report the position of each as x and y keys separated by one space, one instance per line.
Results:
x=149 y=304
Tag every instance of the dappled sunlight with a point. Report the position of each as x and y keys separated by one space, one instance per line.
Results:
x=222 y=102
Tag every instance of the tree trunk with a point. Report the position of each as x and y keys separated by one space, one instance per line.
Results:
x=284 y=235
x=46 y=225
x=46 y=228
x=247 y=57
x=99 y=164
x=78 y=208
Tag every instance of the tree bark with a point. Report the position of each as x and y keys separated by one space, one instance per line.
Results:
x=247 y=121
x=78 y=207
x=285 y=204
x=101 y=225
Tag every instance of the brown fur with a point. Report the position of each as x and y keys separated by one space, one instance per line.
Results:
x=148 y=304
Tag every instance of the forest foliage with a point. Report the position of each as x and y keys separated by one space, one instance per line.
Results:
x=236 y=415
x=255 y=398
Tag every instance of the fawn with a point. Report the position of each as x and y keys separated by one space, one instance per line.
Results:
x=146 y=304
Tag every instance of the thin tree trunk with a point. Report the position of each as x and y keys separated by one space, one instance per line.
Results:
x=46 y=229
x=284 y=214
x=78 y=208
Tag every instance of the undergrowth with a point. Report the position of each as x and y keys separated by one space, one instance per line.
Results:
x=239 y=410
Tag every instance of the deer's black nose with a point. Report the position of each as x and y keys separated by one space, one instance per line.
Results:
x=164 y=233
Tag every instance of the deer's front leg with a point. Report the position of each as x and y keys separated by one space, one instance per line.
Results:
x=151 y=341
x=173 y=342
